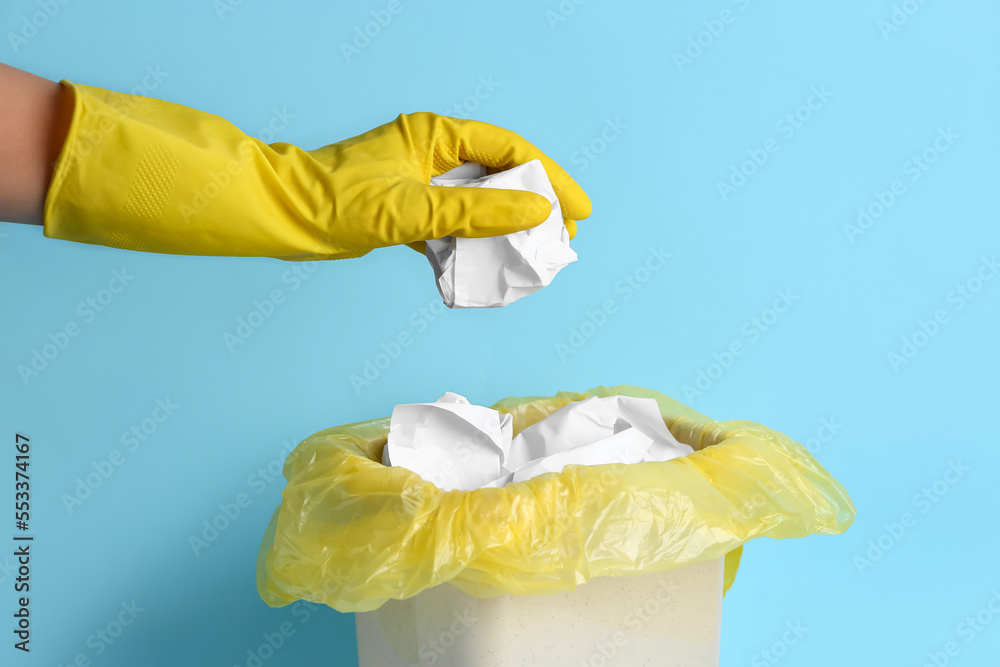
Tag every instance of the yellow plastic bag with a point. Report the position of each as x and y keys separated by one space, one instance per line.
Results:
x=352 y=533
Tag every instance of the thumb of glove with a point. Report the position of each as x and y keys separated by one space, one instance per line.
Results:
x=433 y=212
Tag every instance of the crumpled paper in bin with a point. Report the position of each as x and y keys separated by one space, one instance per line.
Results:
x=495 y=271
x=352 y=533
x=592 y=420
x=456 y=445
x=450 y=442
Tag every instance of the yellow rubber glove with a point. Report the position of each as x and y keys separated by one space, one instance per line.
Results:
x=144 y=174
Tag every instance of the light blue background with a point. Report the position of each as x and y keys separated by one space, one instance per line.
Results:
x=655 y=185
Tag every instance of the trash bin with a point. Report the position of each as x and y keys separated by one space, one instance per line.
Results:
x=664 y=619
x=572 y=549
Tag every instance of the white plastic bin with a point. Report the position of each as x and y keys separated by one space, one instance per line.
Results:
x=667 y=619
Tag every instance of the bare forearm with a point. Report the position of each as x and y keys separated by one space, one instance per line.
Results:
x=34 y=116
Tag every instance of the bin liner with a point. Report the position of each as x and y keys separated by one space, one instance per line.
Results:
x=352 y=533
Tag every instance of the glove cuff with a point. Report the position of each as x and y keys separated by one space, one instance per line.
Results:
x=144 y=174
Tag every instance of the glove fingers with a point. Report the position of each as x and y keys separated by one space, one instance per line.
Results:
x=571 y=226
x=456 y=140
x=504 y=149
x=431 y=212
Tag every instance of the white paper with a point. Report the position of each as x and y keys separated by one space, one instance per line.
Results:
x=628 y=446
x=450 y=443
x=591 y=420
x=496 y=271
x=456 y=445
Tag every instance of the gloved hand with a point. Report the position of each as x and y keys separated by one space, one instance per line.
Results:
x=145 y=174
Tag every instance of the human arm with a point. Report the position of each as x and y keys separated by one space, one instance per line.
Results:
x=145 y=174
x=34 y=117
